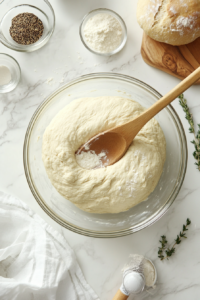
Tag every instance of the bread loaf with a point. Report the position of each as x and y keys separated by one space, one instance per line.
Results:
x=175 y=22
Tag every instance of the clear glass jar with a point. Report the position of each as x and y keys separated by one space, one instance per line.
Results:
x=11 y=8
x=113 y=14
x=15 y=71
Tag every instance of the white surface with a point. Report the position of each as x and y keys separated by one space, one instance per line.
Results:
x=36 y=261
x=102 y=259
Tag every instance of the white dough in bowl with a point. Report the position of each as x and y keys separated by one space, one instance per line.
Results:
x=115 y=188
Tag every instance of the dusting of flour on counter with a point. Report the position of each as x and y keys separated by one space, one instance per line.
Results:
x=103 y=33
x=90 y=160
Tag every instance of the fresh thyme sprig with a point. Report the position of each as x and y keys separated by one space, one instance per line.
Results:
x=170 y=251
x=196 y=141
x=163 y=242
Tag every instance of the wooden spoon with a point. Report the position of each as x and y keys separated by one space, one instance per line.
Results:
x=116 y=141
x=120 y=296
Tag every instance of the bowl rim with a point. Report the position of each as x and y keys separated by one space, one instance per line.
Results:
x=124 y=40
x=34 y=46
x=116 y=233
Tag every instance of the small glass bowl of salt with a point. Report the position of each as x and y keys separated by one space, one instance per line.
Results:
x=10 y=73
x=103 y=32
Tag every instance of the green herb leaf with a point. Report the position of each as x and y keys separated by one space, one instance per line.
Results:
x=170 y=251
x=196 y=141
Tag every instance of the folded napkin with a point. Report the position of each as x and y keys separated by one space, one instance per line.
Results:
x=36 y=262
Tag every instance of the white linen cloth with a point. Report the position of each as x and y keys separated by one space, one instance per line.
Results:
x=36 y=262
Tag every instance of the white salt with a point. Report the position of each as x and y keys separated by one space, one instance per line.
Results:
x=5 y=75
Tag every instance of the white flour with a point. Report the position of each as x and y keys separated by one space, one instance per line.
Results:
x=185 y=22
x=5 y=75
x=90 y=160
x=149 y=273
x=103 y=33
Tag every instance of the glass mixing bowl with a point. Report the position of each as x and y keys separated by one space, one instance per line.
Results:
x=11 y=8
x=105 y=225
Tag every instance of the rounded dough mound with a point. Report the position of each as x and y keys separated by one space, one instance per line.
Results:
x=112 y=189
x=175 y=22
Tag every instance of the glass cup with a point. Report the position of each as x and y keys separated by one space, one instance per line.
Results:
x=105 y=225
x=14 y=68
x=11 y=8
x=113 y=14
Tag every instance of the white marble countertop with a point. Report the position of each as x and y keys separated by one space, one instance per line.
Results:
x=64 y=58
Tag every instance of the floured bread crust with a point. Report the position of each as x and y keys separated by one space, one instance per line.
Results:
x=175 y=22
x=115 y=188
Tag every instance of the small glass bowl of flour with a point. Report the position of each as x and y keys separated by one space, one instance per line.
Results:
x=103 y=32
x=10 y=73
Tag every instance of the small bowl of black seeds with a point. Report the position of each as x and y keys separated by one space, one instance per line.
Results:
x=26 y=27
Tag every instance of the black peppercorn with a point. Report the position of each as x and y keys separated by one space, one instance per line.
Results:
x=26 y=29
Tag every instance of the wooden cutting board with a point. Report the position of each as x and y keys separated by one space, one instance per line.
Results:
x=179 y=61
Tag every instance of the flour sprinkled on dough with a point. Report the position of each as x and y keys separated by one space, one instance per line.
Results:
x=90 y=160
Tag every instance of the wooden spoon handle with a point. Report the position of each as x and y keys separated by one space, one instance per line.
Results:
x=127 y=131
x=120 y=296
x=168 y=98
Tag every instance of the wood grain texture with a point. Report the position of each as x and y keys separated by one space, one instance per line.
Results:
x=120 y=296
x=178 y=61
